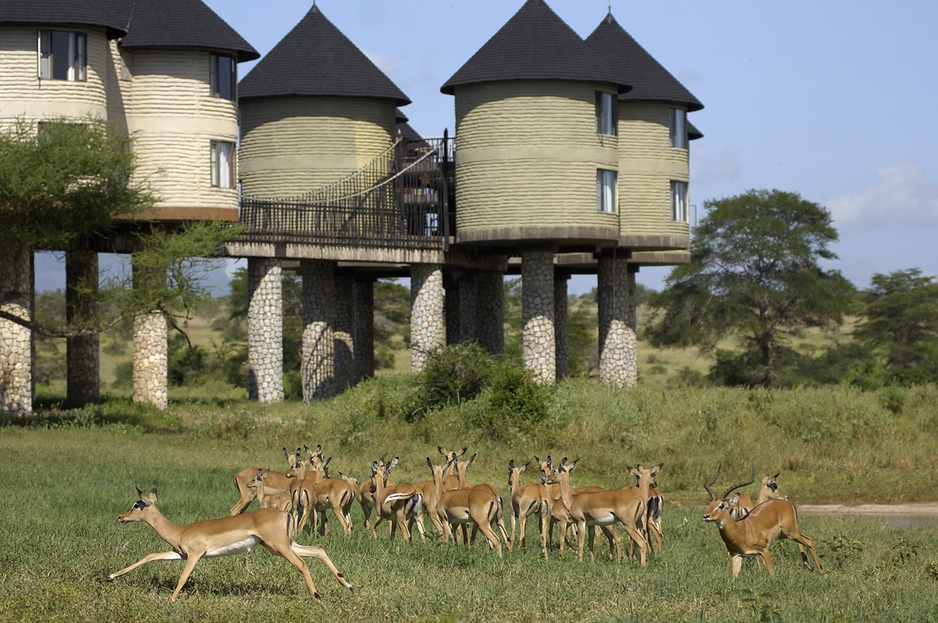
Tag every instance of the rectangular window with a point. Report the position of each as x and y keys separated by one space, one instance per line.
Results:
x=62 y=55
x=678 y=127
x=607 y=113
x=606 y=190
x=223 y=164
x=224 y=76
x=679 y=201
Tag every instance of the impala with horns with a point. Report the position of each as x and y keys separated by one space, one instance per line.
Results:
x=211 y=538
x=756 y=532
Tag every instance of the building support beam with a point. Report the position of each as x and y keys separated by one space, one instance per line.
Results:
x=265 y=330
x=427 y=313
x=317 y=355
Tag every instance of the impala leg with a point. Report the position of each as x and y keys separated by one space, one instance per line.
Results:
x=143 y=561
x=581 y=538
x=314 y=551
x=767 y=558
x=737 y=564
x=803 y=541
x=191 y=561
x=545 y=519
x=639 y=540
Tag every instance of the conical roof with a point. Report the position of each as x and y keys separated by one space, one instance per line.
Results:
x=177 y=24
x=536 y=44
x=62 y=12
x=650 y=81
x=316 y=59
x=692 y=132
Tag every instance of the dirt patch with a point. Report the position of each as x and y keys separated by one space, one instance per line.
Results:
x=920 y=509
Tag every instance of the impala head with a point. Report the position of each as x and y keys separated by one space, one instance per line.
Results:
x=769 y=489
x=261 y=475
x=645 y=477
x=514 y=472
x=316 y=459
x=295 y=462
x=720 y=506
x=141 y=508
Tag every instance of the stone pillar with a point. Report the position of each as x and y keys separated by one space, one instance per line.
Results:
x=618 y=357
x=343 y=331
x=560 y=325
x=538 y=344
x=468 y=309
x=490 y=308
x=151 y=350
x=16 y=341
x=317 y=356
x=363 y=293
x=427 y=313
x=83 y=384
x=265 y=330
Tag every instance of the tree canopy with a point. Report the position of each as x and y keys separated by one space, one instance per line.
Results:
x=756 y=274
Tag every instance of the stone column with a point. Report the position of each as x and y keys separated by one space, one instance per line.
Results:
x=151 y=350
x=317 y=356
x=265 y=330
x=343 y=331
x=427 y=313
x=363 y=293
x=538 y=344
x=16 y=341
x=618 y=357
x=469 y=301
x=490 y=308
x=560 y=325
x=83 y=384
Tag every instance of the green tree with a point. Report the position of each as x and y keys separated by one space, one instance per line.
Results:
x=68 y=187
x=754 y=274
x=901 y=323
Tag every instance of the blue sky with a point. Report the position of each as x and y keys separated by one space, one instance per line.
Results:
x=829 y=99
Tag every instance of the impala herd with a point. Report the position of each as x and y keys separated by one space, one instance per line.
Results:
x=288 y=499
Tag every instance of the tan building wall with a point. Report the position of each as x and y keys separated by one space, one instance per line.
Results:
x=291 y=146
x=173 y=119
x=24 y=95
x=647 y=165
x=527 y=154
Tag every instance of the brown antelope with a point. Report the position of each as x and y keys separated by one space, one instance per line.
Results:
x=756 y=532
x=653 y=510
x=606 y=508
x=272 y=528
x=280 y=501
x=397 y=502
x=477 y=505
x=315 y=495
x=428 y=489
x=526 y=500
x=277 y=482
x=366 y=496
x=559 y=515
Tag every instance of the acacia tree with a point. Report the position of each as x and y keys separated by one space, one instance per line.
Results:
x=901 y=323
x=68 y=187
x=754 y=274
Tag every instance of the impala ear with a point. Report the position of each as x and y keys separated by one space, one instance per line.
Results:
x=733 y=499
x=152 y=496
x=392 y=463
x=429 y=463
x=511 y=464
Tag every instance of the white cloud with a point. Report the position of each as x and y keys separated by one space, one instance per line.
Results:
x=901 y=193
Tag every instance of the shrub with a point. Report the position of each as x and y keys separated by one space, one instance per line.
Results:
x=451 y=376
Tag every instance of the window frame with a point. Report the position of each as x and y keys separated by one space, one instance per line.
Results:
x=215 y=73
x=607 y=191
x=607 y=113
x=218 y=149
x=677 y=128
x=679 y=201
x=76 y=66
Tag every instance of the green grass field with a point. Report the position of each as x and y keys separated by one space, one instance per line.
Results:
x=67 y=476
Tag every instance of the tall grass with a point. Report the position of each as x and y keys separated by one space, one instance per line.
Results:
x=67 y=475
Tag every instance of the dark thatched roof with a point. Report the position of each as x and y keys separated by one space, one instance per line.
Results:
x=316 y=59
x=62 y=13
x=536 y=44
x=650 y=81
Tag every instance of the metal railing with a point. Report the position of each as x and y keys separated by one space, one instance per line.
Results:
x=404 y=198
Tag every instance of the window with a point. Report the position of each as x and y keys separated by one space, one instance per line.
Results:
x=677 y=124
x=224 y=76
x=679 y=201
x=606 y=190
x=62 y=55
x=607 y=113
x=223 y=164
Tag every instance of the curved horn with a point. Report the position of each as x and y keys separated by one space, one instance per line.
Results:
x=742 y=484
x=709 y=484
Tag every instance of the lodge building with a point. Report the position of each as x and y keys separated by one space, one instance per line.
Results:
x=569 y=156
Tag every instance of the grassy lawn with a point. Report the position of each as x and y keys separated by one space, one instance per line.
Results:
x=68 y=475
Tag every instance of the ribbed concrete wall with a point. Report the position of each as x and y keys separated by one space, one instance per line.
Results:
x=174 y=118
x=528 y=154
x=291 y=146
x=647 y=165
x=23 y=94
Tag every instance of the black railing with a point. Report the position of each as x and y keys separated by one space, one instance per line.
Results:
x=402 y=199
